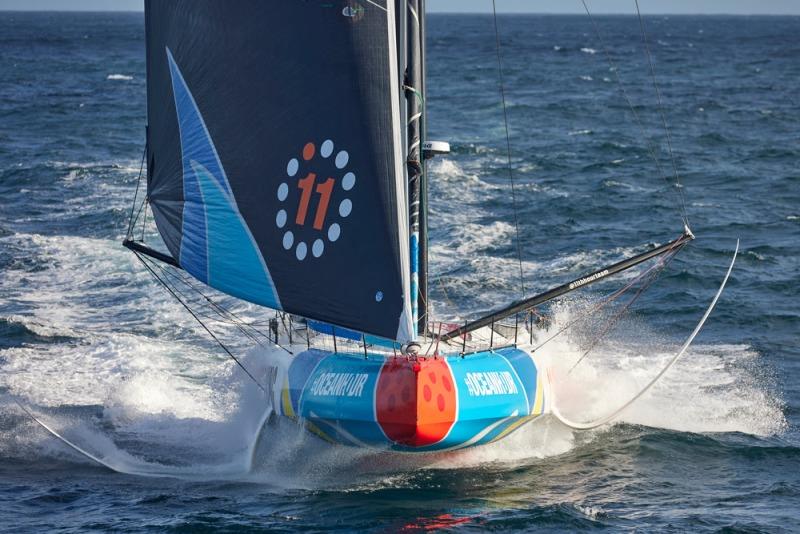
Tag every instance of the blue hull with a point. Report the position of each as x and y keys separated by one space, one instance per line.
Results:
x=413 y=404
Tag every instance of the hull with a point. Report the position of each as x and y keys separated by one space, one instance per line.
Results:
x=416 y=405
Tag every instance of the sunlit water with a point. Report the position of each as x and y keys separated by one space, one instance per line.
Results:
x=101 y=352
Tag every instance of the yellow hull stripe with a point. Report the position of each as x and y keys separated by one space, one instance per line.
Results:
x=513 y=426
x=288 y=411
x=314 y=429
x=538 y=405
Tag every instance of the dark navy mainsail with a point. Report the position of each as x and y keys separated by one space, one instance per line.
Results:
x=275 y=155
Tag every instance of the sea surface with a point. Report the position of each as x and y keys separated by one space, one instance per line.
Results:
x=92 y=343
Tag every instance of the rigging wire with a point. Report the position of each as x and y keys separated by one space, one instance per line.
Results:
x=508 y=147
x=220 y=311
x=603 y=302
x=131 y=221
x=661 y=112
x=662 y=264
x=232 y=319
x=648 y=145
x=144 y=217
x=608 y=418
x=193 y=314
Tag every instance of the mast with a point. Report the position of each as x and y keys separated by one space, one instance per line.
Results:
x=415 y=105
x=423 y=210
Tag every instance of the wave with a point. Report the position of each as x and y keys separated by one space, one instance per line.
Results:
x=616 y=184
x=120 y=77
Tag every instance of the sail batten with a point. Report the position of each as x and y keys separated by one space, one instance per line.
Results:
x=275 y=157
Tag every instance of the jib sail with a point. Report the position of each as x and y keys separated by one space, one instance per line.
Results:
x=275 y=156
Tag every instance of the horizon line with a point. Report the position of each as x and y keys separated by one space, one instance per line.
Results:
x=445 y=12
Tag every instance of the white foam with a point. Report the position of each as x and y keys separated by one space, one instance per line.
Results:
x=713 y=388
x=120 y=77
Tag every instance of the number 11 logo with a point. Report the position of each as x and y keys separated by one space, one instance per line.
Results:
x=324 y=190
x=309 y=187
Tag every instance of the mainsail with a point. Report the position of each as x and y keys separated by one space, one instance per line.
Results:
x=275 y=155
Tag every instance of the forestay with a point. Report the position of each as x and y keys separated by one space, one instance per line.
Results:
x=275 y=167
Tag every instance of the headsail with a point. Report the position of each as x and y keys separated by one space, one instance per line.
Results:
x=275 y=168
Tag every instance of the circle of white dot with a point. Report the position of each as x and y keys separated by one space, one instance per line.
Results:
x=334 y=232
x=291 y=168
x=301 y=250
x=288 y=240
x=283 y=191
x=280 y=219
x=318 y=248
x=348 y=181
x=345 y=207
x=341 y=159
x=326 y=149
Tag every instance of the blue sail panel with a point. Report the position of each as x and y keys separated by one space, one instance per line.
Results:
x=235 y=265
x=217 y=247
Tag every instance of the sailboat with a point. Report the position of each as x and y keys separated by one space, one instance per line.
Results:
x=286 y=166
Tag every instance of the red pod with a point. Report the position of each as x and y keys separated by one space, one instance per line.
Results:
x=416 y=402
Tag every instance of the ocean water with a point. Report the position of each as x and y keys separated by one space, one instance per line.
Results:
x=96 y=347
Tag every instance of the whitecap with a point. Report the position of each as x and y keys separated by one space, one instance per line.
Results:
x=121 y=77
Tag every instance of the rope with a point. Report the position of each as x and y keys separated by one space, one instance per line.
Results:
x=661 y=112
x=508 y=146
x=131 y=220
x=603 y=420
x=648 y=145
x=193 y=314
x=662 y=264
x=220 y=311
x=144 y=217
x=232 y=319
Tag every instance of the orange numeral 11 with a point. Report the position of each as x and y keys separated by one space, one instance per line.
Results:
x=324 y=190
